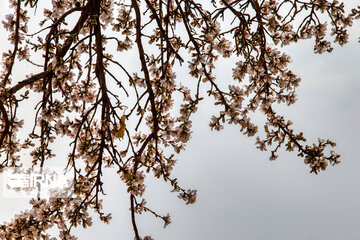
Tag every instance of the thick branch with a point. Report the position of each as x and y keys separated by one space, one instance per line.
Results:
x=132 y=199
x=84 y=15
x=7 y=123
x=144 y=66
x=27 y=81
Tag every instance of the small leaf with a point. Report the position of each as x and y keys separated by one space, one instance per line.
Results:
x=121 y=131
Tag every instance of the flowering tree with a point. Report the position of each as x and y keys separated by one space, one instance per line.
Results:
x=114 y=116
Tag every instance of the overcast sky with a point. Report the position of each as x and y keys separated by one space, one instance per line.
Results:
x=241 y=194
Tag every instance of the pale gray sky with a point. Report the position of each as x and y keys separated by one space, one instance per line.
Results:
x=241 y=194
